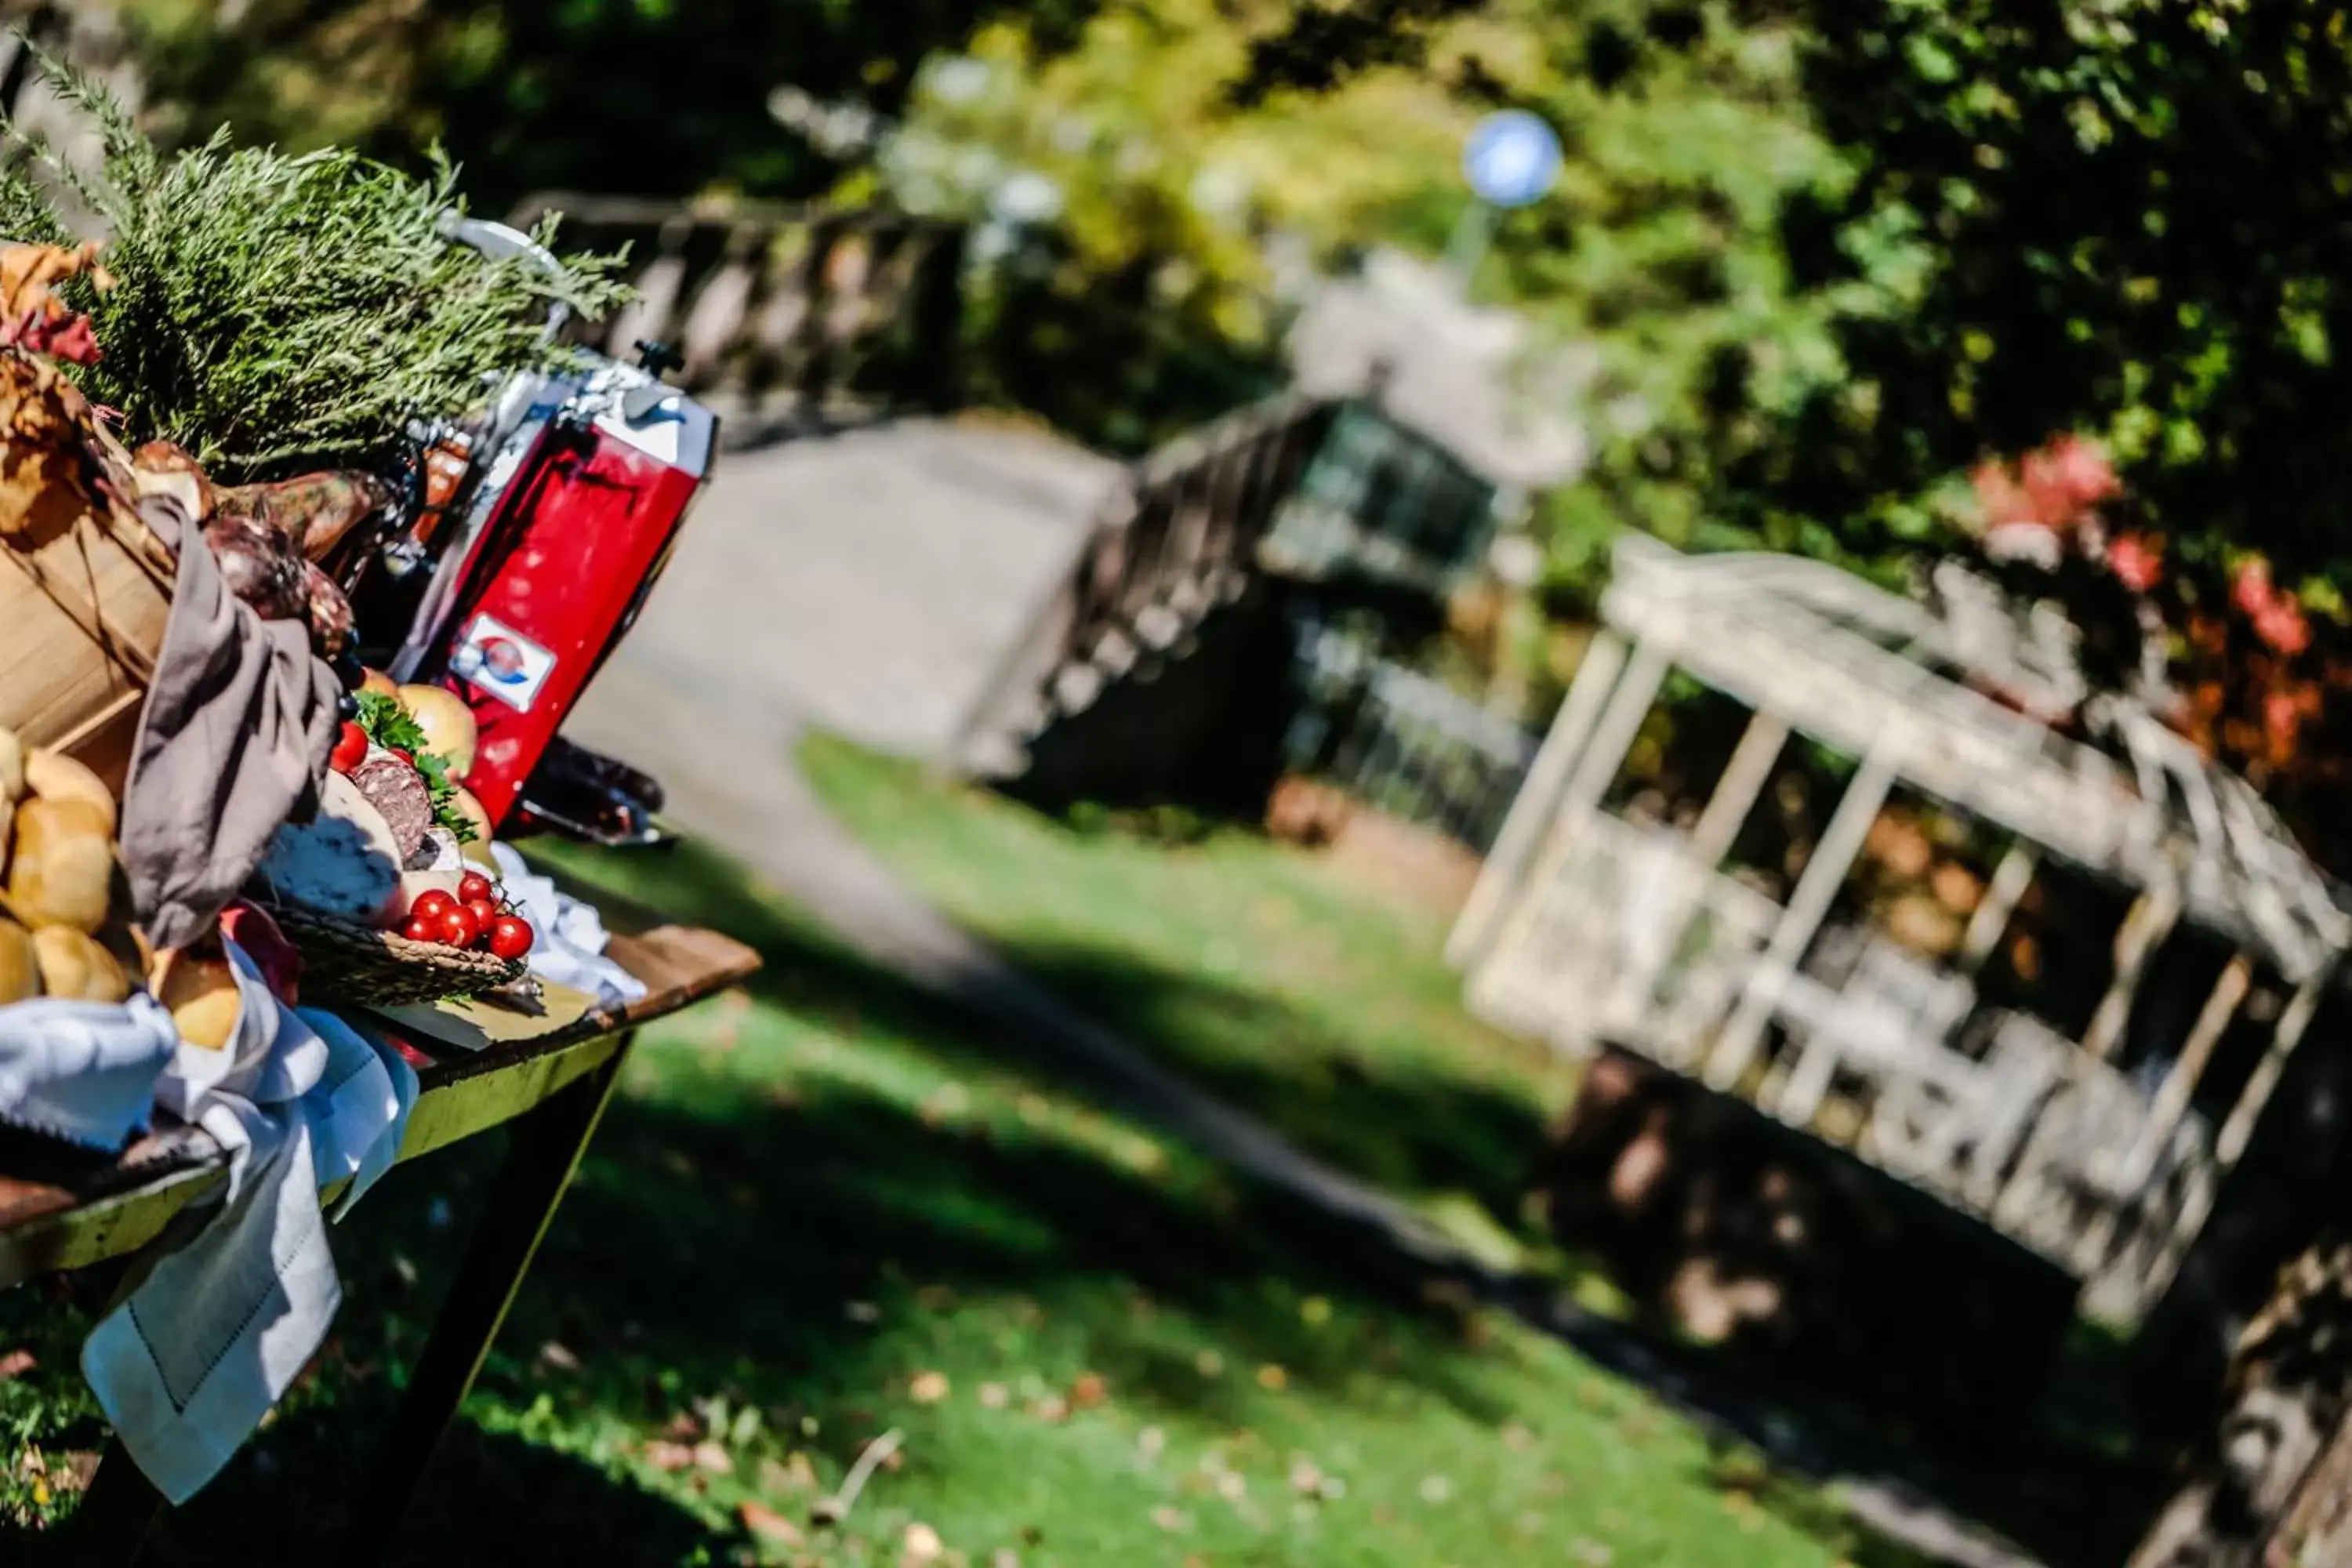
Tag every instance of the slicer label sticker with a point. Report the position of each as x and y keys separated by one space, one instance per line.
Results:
x=503 y=662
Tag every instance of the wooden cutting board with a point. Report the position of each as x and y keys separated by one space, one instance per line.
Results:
x=473 y=1025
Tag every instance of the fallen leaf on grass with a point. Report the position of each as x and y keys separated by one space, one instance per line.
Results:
x=923 y=1544
x=1169 y=1519
x=665 y=1456
x=80 y=1466
x=558 y=1356
x=1004 y=1557
x=16 y=1364
x=709 y=1456
x=1208 y=1364
x=767 y=1524
x=1089 y=1391
x=1272 y=1378
x=996 y=1396
x=1053 y=1407
x=929 y=1387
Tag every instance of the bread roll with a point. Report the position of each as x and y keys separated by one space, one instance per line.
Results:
x=63 y=869
x=475 y=850
x=202 y=997
x=75 y=967
x=450 y=732
x=52 y=775
x=20 y=971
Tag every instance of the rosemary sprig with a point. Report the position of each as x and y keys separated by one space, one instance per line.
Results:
x=269 y=307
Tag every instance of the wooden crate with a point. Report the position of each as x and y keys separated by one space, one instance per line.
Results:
x=85 y=590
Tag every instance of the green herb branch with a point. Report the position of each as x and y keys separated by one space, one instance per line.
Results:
x=271 y=310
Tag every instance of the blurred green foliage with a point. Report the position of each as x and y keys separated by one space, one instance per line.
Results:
x=1828 y=257
x=637 y=97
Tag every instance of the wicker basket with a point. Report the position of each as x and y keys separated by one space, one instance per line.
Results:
x=357 y=964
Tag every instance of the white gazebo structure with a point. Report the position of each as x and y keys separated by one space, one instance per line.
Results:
x=1590 y=926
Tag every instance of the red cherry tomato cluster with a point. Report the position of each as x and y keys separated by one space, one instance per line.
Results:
x=475 y=918
x=351 y=748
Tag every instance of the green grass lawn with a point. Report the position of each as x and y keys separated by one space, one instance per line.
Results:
x=1263 y=971
x=819 y=1212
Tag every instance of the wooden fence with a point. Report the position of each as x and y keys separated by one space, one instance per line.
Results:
x=785 y=316
x=1177 y=540
x=1402 y=742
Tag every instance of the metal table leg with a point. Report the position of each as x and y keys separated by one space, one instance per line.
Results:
x=118 y=1514
x=546 y=1144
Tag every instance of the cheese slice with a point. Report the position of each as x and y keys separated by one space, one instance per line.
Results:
x=345 y=865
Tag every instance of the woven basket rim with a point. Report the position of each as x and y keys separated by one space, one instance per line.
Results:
x=388 y=949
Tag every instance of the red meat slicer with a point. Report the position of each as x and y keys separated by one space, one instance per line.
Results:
x=534 y=534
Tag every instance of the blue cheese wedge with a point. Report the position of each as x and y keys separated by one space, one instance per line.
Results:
x=345 y=865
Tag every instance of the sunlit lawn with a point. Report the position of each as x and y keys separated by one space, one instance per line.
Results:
x=1290 y=986
x=820 y=1212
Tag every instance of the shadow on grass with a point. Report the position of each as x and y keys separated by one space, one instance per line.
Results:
x=746 y=1245
x=2060 y=1501
x=719 y=1241
x=1400 y=1128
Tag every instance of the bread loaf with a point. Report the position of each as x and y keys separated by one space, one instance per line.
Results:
x=20 y=971
x=62 y=871
x=53 y=775
x=76 y=968
x=202 y=997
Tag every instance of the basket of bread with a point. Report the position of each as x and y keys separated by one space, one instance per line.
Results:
x=390 y=892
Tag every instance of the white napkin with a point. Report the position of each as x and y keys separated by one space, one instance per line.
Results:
x=567 y=936
x=82 y=1071
x=188 y=1365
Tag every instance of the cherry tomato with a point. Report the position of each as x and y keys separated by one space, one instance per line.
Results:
x=419 y=929
x=511 y=936
x=431 y=905
x=457 y=927
x=474 y=886
x=351 y=746
x=485 y=913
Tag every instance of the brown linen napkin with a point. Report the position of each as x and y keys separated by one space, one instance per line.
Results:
x=233 y=742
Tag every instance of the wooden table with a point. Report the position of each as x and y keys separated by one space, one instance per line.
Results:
x=552 y=1087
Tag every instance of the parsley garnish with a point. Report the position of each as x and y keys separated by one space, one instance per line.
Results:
x=391 y=726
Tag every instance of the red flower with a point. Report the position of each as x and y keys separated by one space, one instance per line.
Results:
x=2281 y=717
x=70 y=339
x=2136 y=562
x=2081 y=471
x=2281 y=625
x=2047 y=492
x=2251 y=591
x=1999 y=498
